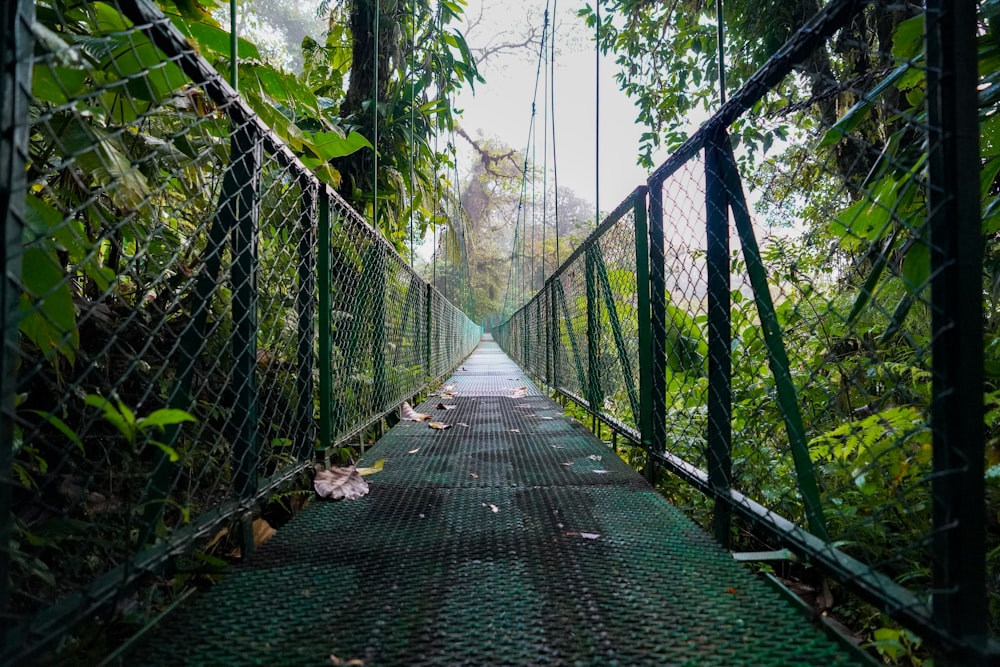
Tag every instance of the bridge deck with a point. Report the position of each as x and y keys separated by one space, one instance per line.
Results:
x=514 y=539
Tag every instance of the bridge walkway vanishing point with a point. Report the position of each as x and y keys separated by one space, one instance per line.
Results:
x=515 y=537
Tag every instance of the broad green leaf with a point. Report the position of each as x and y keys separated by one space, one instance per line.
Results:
x=917 y=267
x=164 y=417
x=215 y=40
x=329 y=145
x=111 y=414
x=169 y=451
x=56 y=84
x=48 y=314
x=908 y=38
x=61 y=426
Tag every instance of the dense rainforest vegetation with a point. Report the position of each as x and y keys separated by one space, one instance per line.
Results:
x=370 y=113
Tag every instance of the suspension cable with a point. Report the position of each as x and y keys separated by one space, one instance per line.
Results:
x=375 y=123
x=413 y=104
x=555 y=162
x=519 y=282
x=597 y=116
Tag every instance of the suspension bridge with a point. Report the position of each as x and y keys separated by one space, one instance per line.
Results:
x=167 y=373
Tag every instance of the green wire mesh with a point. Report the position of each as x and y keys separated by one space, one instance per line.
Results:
x=820 y=433
x=171 y=299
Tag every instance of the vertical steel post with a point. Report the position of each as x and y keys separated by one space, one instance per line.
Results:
x=719 y=435
x=959 y=576
x=243 y=278
x=380 y=384
x=325 y=288
x=594 y=392
x=306 y=305
x=657 y=320
x=429 y=330
x=645 y=417
x=17 y=48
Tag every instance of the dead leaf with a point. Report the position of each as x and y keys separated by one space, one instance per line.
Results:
x=547 y=418
x=339 y=483
x=463 y=424
x=448 y=394
x=262 y=532
x=731 y=590
x=473 y=475
x=515 y=430
x=448 y=406
x=586 y=536
x=372 y=469
x=407 y=413
x=594 y=457
x=414 y=451
x=600 y=472
x=339 y=662
x=439 y=425
x=568 y=463
x=520 y=392
x=493 y=508
x=522 y=405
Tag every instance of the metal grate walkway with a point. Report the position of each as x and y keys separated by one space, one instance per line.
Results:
x=476 y=547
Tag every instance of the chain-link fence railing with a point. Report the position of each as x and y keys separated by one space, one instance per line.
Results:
x=817 y=315
x=188 y=315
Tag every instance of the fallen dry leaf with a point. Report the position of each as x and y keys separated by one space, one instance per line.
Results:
x=446 y=406
x=515 y=430
x=414 y=451
x=522 y=405
x=600 y=472
x=473 y=475
x=262 y=532
x=372 y=469
x=463 y=424
x=493 y=508
x=520 y=392
x=407 y=413
x=594 y=457
x=339 y=662
x=547 y=418
x=586 y=536
x=339 y=483
x=449 y=394
x=439 y=425
x=568 y=463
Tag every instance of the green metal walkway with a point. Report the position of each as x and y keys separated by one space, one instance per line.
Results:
x=513 y=538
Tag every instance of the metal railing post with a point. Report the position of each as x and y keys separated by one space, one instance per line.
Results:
x=243 y=278
x=16 y=50
x=719 y=431
x=645 y=416
x=657 y=361
x=958 y=568
x=305 y=302
x=428 y=330
x=593 y=389
x=325 y=288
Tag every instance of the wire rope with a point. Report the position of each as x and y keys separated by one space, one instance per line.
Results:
x=555 y=161
x=516 y=284
x=413 y=104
